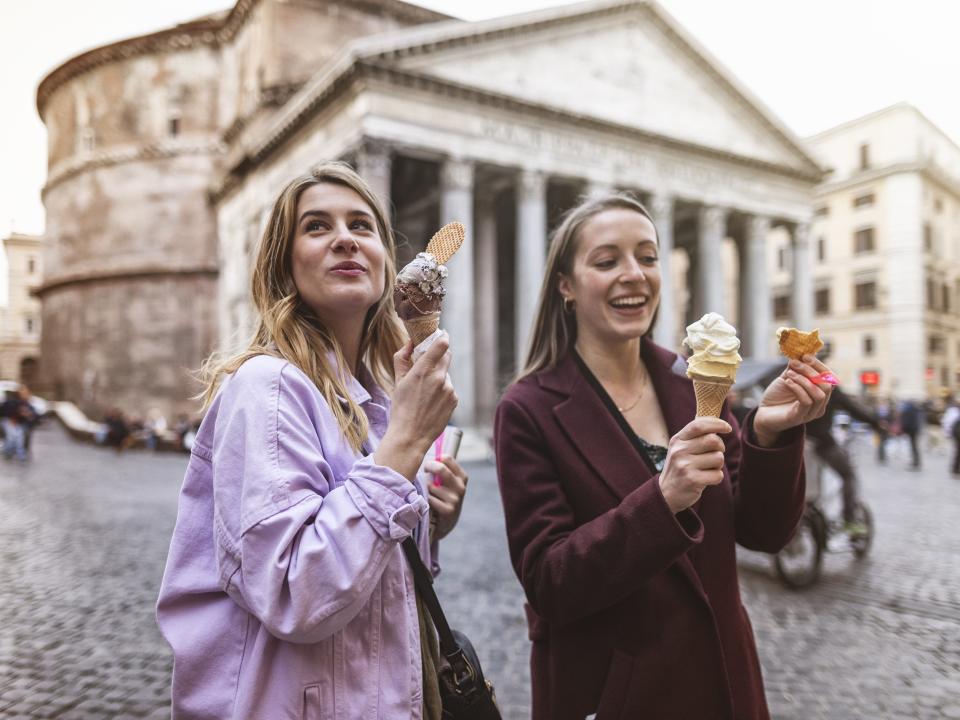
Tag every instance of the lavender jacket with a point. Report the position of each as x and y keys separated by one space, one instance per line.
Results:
x=286 y=592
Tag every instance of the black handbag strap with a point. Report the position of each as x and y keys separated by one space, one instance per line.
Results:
x=424 y=583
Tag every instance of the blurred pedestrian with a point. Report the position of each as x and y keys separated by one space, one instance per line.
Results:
x=886 y=414
x=626 y=553
x=286 y=592
x=911 y=423
x=950 y=424
x=16 y=413
x=837 y=457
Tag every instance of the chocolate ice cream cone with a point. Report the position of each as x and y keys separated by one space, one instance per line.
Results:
x=422 y=327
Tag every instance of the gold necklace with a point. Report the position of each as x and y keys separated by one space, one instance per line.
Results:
x=643 y=388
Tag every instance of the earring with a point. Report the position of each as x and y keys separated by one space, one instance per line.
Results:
x=568 y=305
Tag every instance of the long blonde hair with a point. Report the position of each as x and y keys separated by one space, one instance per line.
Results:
x=554 y=330
x=289 y=329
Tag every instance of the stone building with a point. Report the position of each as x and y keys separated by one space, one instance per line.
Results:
x=20 y=318
x=500 y=124
x=886 y=254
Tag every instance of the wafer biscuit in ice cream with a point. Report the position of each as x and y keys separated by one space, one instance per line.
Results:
x=421 y=286
x=796 y=343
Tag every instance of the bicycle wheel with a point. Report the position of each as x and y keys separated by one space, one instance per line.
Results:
x=861 y=542
x=798 y=564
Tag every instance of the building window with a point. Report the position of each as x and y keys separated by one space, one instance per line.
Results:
x=868 y=345
x=31 y=265
x=944 y=376
x=863 y=241
x=928 y=237
x=173 y=126
x=781 y=306
x=28 y=325
x=936 y=344
x=864 y=156
x=781 y=258
x=863 y=200
x=865 y=295
x=821 y=301
x=822 y=211
x=821 y=248
x=931 y=295
x=945 y=298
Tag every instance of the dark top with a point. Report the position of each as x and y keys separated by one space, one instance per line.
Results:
x=635 y=612
x=653 y=455
x=820 y=429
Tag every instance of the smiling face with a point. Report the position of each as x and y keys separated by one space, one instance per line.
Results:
x=338 y=257
x=614 y=281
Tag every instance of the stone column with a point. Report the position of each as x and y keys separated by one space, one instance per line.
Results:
x=665 y=333
x=756 y=312
x=374 y=164
x=531 y=253
x=711 y=227
x=458 y=319
x=802 y=299
x=485 y=256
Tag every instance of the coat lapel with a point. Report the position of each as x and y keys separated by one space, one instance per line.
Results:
x=590 y=427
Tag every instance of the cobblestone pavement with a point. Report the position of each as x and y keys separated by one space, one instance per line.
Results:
x=84 y=535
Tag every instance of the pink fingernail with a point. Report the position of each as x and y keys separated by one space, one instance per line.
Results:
x=827 y=377
x=436 y=481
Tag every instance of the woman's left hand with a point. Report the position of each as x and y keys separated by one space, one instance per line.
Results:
x=792 y=399
x=446 y=499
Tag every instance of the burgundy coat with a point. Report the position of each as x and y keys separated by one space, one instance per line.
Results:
x=635 y=612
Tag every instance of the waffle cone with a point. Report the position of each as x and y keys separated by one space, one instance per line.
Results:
x=446 y=242
x=419 y=329
x=710 y=393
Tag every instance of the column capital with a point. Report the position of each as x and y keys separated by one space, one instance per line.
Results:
x=531 y=183
x=713 y=218
x=757 y=227
x=661 y=206
x=801 y=233
x=456 y=174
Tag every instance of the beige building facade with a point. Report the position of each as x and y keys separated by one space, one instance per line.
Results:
x=886 y=255
x=20 y=317
x=501 y=124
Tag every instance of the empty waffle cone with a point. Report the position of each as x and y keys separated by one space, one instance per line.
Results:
x=710 y=393
x=419 y=329
x=446 y=242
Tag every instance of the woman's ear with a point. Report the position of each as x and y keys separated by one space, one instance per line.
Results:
x=563 y=286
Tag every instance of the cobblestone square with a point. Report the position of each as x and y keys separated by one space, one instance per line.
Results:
x=84 y=534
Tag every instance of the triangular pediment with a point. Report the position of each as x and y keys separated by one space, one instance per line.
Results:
x=633 y=67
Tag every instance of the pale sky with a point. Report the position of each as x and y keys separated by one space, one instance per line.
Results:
x=814 y=63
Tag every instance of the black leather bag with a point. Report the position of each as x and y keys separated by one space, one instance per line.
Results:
x=465 y=693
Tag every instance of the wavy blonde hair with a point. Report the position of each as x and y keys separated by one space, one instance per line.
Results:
x=555 y=331
x=289 y=329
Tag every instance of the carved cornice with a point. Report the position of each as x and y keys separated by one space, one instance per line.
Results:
x=116 y=156
x=123 y=275
x=187 y=36
x=211 y=31
x=930 y=171
x=347 y=74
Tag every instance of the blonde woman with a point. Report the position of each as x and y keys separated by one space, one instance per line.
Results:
x=286 y=592
x=622 y=510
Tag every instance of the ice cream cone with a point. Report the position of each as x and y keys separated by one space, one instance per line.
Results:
x=710 y=393
x=422 y=327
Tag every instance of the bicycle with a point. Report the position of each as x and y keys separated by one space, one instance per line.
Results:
x=799 y=564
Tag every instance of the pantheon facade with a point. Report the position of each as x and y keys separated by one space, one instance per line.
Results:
x=166 y=152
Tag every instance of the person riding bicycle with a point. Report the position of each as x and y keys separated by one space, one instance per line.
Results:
x=836 y=456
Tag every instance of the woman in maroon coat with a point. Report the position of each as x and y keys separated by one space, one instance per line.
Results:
x=623 y=510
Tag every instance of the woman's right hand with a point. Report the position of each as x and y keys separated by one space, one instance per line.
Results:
x=422 y=403
x=694 y=461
